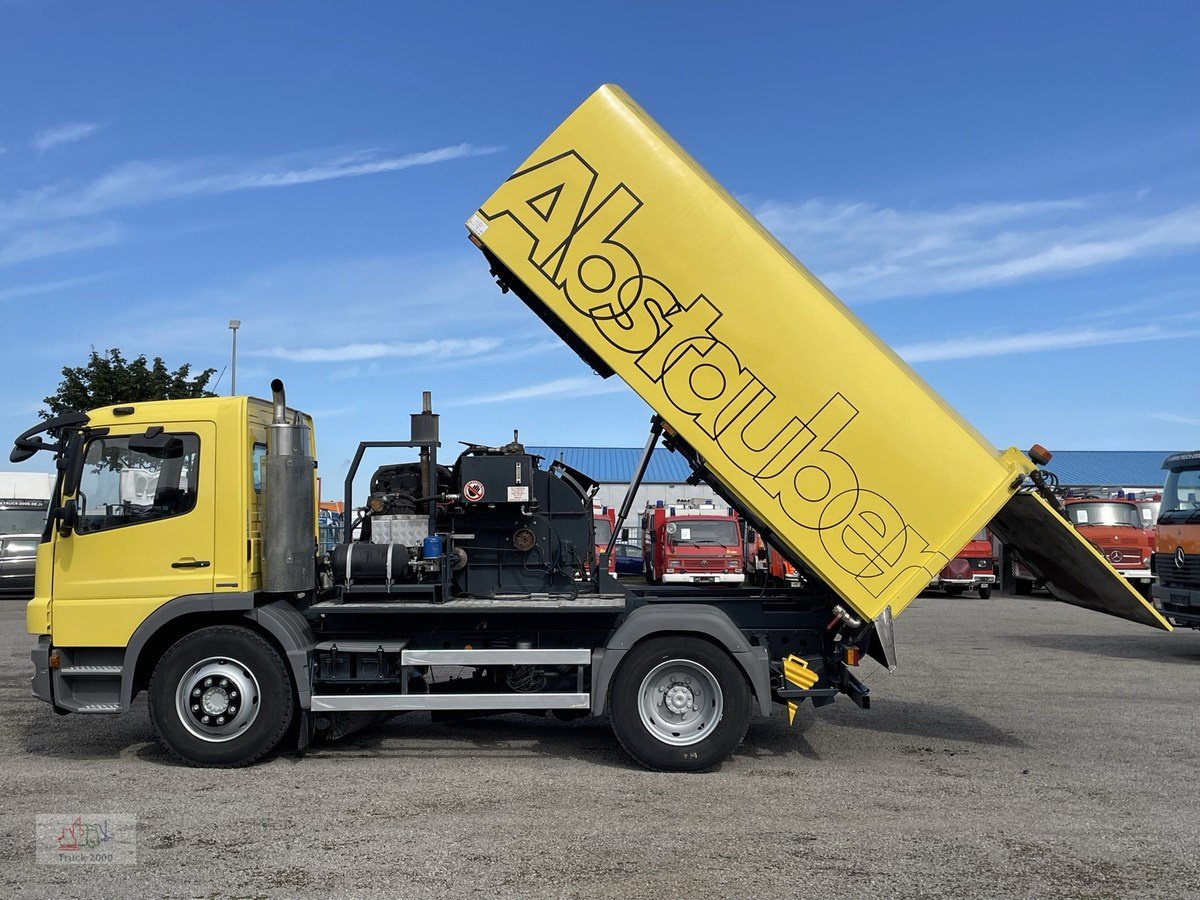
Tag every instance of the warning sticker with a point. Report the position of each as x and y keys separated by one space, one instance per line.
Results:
x=473 y=491
x=518 y=493
x=477 y=225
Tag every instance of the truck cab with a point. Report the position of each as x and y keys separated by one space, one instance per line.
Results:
x=1114 y=527
x=604 y=519
x=1177 y=559
x=764 y=565
x=691 y=542
x=972 y=569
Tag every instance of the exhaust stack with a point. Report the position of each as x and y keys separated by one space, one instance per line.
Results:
x=289 y=502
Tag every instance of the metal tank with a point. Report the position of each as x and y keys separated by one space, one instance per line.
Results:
x=289 y=502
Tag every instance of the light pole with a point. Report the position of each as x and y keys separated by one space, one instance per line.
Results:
x=234 y=325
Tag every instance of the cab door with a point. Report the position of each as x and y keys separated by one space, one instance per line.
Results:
x=144 y=531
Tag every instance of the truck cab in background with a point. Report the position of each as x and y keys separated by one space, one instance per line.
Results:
x=1114 y=527
x=605 y=519
x=972 y=569
x=1149 y=506
x=691 y=542
x=766 y=566
x=1177 y=557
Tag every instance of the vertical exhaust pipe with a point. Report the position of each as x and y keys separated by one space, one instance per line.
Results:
x=289 y=510
x=279 y=402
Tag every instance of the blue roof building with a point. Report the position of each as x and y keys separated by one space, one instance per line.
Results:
x=1074 y=468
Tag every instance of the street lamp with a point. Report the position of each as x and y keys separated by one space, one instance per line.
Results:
x=234 y=325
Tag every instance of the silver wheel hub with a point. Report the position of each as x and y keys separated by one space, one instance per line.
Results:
x=680 y=702
x=217 y=699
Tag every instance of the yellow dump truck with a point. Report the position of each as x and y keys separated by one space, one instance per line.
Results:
x=181 y=556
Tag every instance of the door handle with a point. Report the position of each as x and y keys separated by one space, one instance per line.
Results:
x=191 y=564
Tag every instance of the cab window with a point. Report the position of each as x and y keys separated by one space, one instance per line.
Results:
x=257 y=452
x=119 y=486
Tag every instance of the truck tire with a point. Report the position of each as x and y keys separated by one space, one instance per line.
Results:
x=679 y=704
x=197 y=691
x=985 y=591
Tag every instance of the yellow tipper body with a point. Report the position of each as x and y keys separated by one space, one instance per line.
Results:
x=648 y=268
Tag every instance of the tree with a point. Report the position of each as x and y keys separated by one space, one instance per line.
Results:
x=108 y=379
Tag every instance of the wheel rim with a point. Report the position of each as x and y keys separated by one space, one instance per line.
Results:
x=680 y=702
x=217 y=699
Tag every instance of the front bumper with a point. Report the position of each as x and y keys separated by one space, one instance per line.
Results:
x=1141 y=576
x=1181 y=606
x=703 y=578
x=40 y=654
x=973 y=581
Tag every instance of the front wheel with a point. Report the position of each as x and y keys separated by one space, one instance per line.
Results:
x=985 y=591
x=679 y=704
x=221 y=697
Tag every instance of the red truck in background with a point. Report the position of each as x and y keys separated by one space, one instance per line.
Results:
x=974 y=568
x=605 y=518
x=691 y=542
x=766 y=566
x=1114 y=527
x=1149 y=506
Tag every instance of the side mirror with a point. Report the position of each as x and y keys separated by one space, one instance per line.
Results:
x=67 y=517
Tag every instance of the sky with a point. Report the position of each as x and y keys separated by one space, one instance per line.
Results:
x=1008 y=194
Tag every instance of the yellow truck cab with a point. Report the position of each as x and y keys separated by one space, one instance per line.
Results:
x=181 y=555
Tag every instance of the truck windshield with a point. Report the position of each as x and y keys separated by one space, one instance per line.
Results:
x=1181 y=497
x=603 y=532
x=722 y=532
x=1104 y=514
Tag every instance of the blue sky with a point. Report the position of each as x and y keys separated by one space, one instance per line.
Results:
x=1010 y=195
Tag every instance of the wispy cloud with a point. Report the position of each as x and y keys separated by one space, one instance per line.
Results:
x=361 y=351
x=1174 y=419
x=869 y=252
x=978 y=345
x=146 y=182
x=49 y=287
x=67 y=133
x=39 y=243
x=561 y=387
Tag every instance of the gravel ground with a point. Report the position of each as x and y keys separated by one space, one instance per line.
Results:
x=1035 y=750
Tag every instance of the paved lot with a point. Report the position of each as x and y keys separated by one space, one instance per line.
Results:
x=1024 y=748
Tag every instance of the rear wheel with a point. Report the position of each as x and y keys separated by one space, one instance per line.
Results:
x=221 y=697
x=679 y=704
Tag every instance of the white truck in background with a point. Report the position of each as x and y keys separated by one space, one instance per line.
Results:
x=24 y=498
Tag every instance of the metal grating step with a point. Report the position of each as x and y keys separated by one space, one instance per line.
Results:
x=76 y=671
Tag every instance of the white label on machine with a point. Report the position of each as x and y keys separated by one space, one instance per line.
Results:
x=685 y=534
x=477 y=225
x=518 y=493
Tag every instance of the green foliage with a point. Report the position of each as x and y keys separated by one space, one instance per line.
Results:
x=108 y=379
